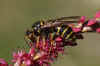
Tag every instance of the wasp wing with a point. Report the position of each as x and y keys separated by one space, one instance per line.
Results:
x=62 y=20
x=72 y=19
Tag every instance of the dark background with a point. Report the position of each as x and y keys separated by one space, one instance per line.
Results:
x=18 y=15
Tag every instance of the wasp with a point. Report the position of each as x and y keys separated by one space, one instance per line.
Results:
x=51 y=29
x=59 y=27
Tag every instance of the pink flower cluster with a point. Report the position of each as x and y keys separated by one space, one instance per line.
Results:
x=88 y=25
x=42 y=56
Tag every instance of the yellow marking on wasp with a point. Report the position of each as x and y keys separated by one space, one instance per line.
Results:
x=38 y=31
x=43 y=41
x=37 y=42
x=58 y=30
x=69 y=35
x=64 y=31
x=30 y=35
x=33 y=35
x=51 y=38
x=51 y=41
x=41 y=23
x=27 y=39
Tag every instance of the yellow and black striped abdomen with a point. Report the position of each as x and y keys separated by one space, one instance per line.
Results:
x=59 y=29
x=65 y=32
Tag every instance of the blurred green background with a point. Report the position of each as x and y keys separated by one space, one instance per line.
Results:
x=18 y=15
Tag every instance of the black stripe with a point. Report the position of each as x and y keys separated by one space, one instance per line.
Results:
x=68 y=32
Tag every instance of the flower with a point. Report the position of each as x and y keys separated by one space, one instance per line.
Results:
x=82 y=19
x=91 y=22
x=76 y=29
x=97 y=14
x=86 y=29
x=3 y=62
x=21 y=58
x=32 y=51
x=58 y=39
